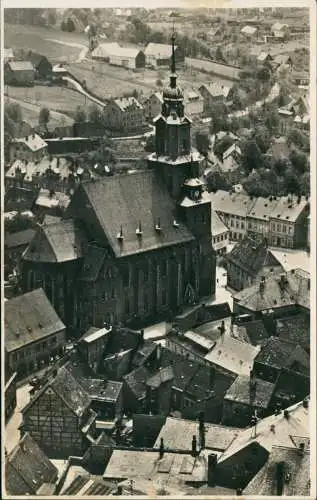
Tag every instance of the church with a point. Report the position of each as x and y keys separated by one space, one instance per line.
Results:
x=135 y=247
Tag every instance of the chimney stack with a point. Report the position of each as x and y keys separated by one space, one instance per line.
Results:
x=202 y=435
x=212 y=466
x=302 y=449
x=161 y=452
x=194 y=446
x=239 y=492
x=286 y=414
x=305 y=403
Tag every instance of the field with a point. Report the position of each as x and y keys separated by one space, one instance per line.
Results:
x=111 y=81
x=41 y=40
x=60 y=99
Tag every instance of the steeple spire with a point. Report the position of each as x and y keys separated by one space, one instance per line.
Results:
x=173 y=76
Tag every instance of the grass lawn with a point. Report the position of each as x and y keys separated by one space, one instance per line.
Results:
x=30 y=113
x=112 y=81
x=62 y=99
x=39 y=39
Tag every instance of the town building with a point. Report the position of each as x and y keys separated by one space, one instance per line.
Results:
x=251 y=449
x=258 y=217
x=126 y=57
x=244 y=397
x=232 y=209
x=149 y=233
x=102 y=52
x=106 y=397
x=92 y=345
x=8 y=55
x=33 y=332
x=59 y=417
x=286 y=472
x=124 y=115
x=158 y=55
x=294 y=329
x=214 y=93
x=19 y=73
x=43 y=68
x=282 y=60
x=301 y=79
x=288 y=222
x=14 y=246
x=220 y=235
x=248 y=261
x=74 y=145
x=28 y=471
x=281 y=295
x=50 y=202
x=280 y=31
x=28 y=148
x=249 y=31
x=10 y=396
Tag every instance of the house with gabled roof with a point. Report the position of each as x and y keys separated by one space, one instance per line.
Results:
x=280 y=31
x=28 y=471
x=21 y=73
x=124 y=114
x=33 y=332
x=31 y=148
x=288 y=222
x=158 y=55
x=59 y=417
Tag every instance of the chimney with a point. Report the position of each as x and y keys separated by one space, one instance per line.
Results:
x=302 y=449
x=239 y=492
x=139 y=230
x=305 y=403
x=51 y=193
x=202 y=435
x=161 y=452
x=158 y=353
x=194 y=446
x=222 y=328
x=280 y=476
x=141 y=337
x=212 y=466
x=283 y=280
x=26 y=138
x=120 y=235
x=119 y=490
x=158 y=226
x=286 y=414
x=262 y=284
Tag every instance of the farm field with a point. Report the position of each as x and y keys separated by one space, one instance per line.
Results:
x=111 y=81
x=40 y=39
x=30 y=113
x=62 y=99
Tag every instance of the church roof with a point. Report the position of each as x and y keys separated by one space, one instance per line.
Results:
x=127 y=201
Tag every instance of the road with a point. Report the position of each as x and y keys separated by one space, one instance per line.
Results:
x=80 y=89
x=60 y=117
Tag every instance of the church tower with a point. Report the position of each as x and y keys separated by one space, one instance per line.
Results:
x=181 y=168
x=174 y=158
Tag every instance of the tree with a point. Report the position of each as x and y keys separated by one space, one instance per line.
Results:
x=216 y=180
x=251 y=155
x=44 y=116
x=221 y=146
x=70 y=25
x=202 y=142
x=80 y=115
x=280 y=165
x=219 y=118
x=264 y=74
x=304 y=183
x=299 y=139
x=14 y=112
x=150 y=144
x=262 y=138
x=159 y=83
x=299 y=161
x=219 y=54
x=94 y=114
x=291 y=180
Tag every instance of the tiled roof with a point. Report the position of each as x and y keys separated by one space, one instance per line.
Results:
x=254 y=331
x=231 y=203
x=232 y=355
x=282 y=59
x=34 y=142
x=217 y=226
x=56 y=242
x=160 y=50
x=178 y=433
x=28 y=468
x=19 y=238
x=136 y=381
x=129 y=52
x=294 y=292
x=240 y=392
x=103 y=49
x=121 y=339
x=249 y=30
x=252 y=256
x=29 y=318
x=94 y=333
x=125 y=103
x=127 y=200
x=216 y=89
x=20 y=66
x=232 y=149
x=275 y=430
x=262 y=208
x=46 y=199
x=278 y=26
x=31 y=170
x=183 y=369
x=100 y=389
x=143 y=353
x=289 y=208
x=163 y=375
x=297 y=465
x=280 y=354
x=89 y=485
x=295 y=329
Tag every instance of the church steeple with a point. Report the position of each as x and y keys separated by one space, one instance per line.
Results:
x=173 y=76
